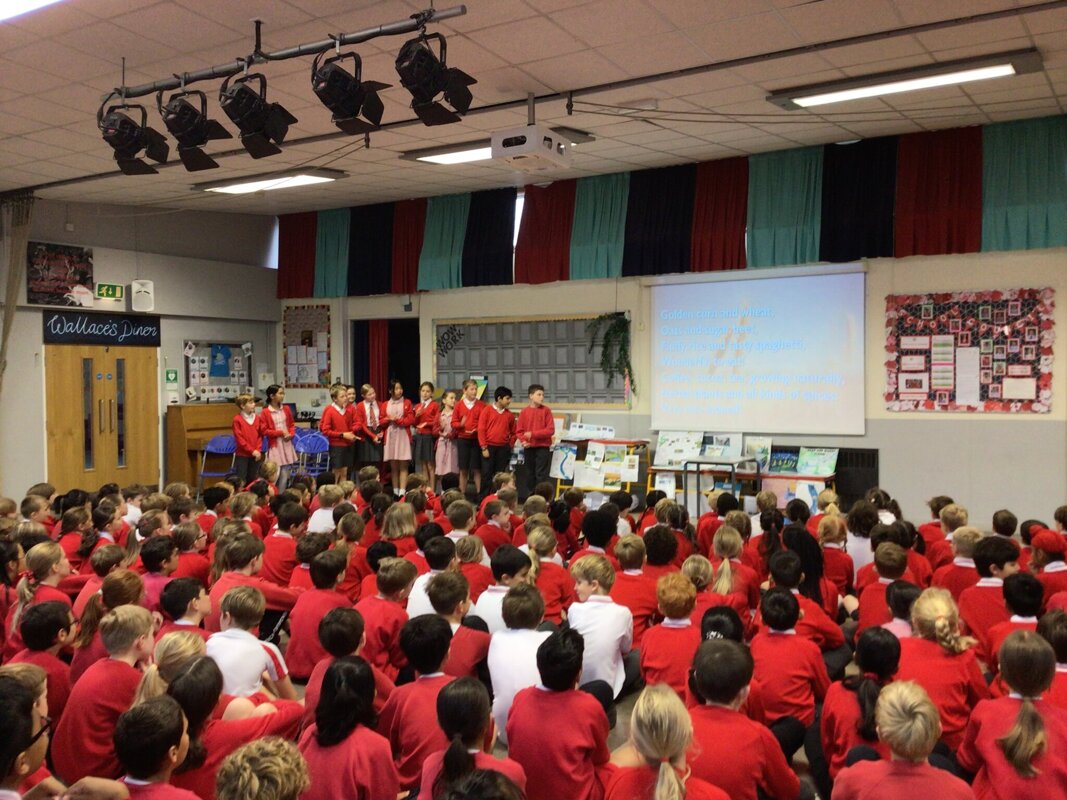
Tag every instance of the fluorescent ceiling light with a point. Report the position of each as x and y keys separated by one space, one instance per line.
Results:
x=459 y=157
x=949 y=73
x=466 y=152
x=264 y=183
x=16 y=8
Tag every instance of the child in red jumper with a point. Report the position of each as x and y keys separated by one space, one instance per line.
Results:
x=496 y=433
x=1053 y=629
x=450 y=597
x=982 y=605
x=351 y=528
x=672 y=515
x=304 y=650
x=1047 y=556
x=960 y=574
x=942 y=662
x=535 y=429
x=384 y=615
x=837 y=563
x=661 y=547
x=244 y=560
x=48 y=628
x=425 y=641
x=465 y=420
x=496 y=530
x=572 y=762
x=633 y=588
x=790 y=668
x=46 y=566
x=184 y=603
x=427 y=412
x=248 y=432
x=575 y=502
x=1022 y=598
x=599 y=531
x=151 y=741
x=471 y=553
x=814 y=625
x=83 y=743
x=279 y=557
x=309 y=546
x=553 y=581
x=891 y=563
x=667 y=649
x=700 y=573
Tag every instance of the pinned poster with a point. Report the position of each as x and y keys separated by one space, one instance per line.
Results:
x=594 y=455
x=666 y=483
x=564 y=456
x=628 y=469
x=759 y=448
x=675 y=447
x=586 y=477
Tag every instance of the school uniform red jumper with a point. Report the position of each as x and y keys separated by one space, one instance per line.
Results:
x=838 y=731
x=793 y=673
x=496 y=428
x=267 y=420
x=334 y=424
x=492 y=536
x=193 y=565
x=479 y=578
x=469 y=648
x=538 y=423
x=404 y=720
x=874 y=608
x=956 y=577
x=426 y=417
x=361 y=425
x=557 y=589
x=249 y=437
x=305 y=650
x=278 y=598
x=58 y=678
x=892 y=780
x=279 y=558
x=667 y=652
x=360 y=767
x=637 y=591
x=383 y=687
x=838 y=567
x=382 y=621
x=981 y=607
x=465 y=420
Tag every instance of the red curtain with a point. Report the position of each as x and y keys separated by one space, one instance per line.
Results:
x=296 y=254
x=543 y=251
x=378 y=352
x=720 y=212
x=409 y=224
x=939 y=193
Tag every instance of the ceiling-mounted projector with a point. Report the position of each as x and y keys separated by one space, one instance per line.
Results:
x=532 y=148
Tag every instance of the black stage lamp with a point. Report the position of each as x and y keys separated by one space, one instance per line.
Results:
x=346 y=94
x=191 y=127
x=263 y=125
x=128 y=138
x=425 y=75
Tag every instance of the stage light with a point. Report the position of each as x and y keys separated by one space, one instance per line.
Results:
x=128 y=138
x=263 y=125
x=191 y=127
x=426 y=75
x=346 y=94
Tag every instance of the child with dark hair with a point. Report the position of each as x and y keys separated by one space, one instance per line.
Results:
x=192 y=542
x=708 y=524
x=423 y=534
x=791 y=669
x=1052 y=627
x=599 y=530
x=159 y=555
x=47 y=628
x=244 y=560
x=376 y=553
x=753 y=764
x=351 y=529
x=510 y=567
x=891 y=564
x=346 y=757
x=787 y=573
x=425 y=641
x=450 y=595
x=761 y=548
x=1022 y=598
x=463 y=714
x=309 y=546
x=571 y=762
x=185 y=604
x=661 y=548
x=384 y=616
x=151 y=741
x=901 y=596
x=512 y=658
x=648 y=515
x=279 y=556
x=982 y=605
x=932 y=531
x=304 y=650
x=440 y=556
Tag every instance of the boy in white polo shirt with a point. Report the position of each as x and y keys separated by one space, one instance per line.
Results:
x=241 y=657
x=606 y=626
x=510 y=567
x=440 y=554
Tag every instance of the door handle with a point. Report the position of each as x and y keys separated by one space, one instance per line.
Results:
x=100 y=413
x=111 y=414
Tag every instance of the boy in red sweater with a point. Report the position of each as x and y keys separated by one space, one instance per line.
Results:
x=351 y=528
x=151 y=741
x=982 y=605
x=384 y=615
x=496 y=530
x=279 y=556
x=309 y=546
x=496 y=433
x=304 y=650
x=1047 y=555
x=752 y=765
x=571 y=763
x=890 y=562
x=1022 y=597
x=633 y=588
x=575 y=500
x=450 y=596
x=47 y=628
x=535 y=430
x=668 y=648
x=598 y=528
x=661 y=547
x=184 y=603
x=940 y=553
x=465 y=418
x=960 y=574
x=83 y=743
x=244 y=560
x=790 y=669
x=425 y=641
x=248 y=431
x=787 y=573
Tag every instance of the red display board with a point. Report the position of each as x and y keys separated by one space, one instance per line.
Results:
x=970 y=351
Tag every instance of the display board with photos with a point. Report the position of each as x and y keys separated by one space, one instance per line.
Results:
x=985 y=351
x=306 y=346
x=216 y=372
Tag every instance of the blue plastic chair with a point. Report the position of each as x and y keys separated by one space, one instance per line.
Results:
x=222 y=445
x=314 y=451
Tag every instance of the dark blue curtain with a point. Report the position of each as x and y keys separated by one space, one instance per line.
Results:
x=858 y=196
x=488 y=247
x=370 y=250
x=659 y=221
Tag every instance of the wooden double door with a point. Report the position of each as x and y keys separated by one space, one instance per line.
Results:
x=102 y=415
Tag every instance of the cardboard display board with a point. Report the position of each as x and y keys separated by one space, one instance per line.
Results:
x=216 y=372
x=306 y=346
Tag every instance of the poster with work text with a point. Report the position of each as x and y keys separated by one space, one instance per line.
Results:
x=985 y=351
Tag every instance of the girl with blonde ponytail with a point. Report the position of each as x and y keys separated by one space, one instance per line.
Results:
x=46 y=566
x=173 y=651
x=1017 y=745
x=727 y=545
x=943 y=662
x=555 y=584
x=702 y=575
x=122 y=587
x=660 y=734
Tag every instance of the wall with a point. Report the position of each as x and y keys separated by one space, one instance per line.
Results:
x=984 y=461
x=210 y=283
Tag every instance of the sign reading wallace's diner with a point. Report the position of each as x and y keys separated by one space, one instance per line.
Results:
x=80 y=327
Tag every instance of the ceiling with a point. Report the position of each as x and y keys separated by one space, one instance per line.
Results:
x=57 y=62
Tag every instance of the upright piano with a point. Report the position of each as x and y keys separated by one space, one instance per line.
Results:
x=189 y=428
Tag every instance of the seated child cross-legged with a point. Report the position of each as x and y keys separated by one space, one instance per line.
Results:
x=309 y=546
x=242 y=658
x=48 y=628
x=900 y=596
x=510 y=567
x=151 y=741
x=1022 y=597
x=384 y=615
x=450 y=597
x=982 y=605
x=304 y=650
x=632 y=588
x=573 y=762
x=907 y=723
x=668 y=648
x=890 y=562
x=185 y=603
x=440 y=556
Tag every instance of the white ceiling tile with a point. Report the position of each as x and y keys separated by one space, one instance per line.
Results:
x=759 y=33
x=972 y=34
x=813 y=21
x=574 y=70
x=657 y=53
x=527 y=40
x=914 y=12
x=631 y=20
x=693 y=13
x=54 y=19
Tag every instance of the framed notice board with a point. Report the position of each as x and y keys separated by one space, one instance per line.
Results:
x=216 y=372
x=306 y=346
x=518 y=351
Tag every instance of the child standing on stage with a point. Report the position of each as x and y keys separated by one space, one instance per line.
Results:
x=337 y=428
x=446 y=460
x=398 y=435
x=426 y=414
x=535 y=430
x=465 y=425
x=280 y=429
x=369 y=424
x=248 y=433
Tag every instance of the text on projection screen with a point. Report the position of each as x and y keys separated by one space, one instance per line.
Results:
x=773 y=355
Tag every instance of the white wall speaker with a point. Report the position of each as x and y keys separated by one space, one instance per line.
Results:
x=142 y=296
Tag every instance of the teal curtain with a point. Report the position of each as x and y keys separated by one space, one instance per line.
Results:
x=1024 y=184
x=598 y=235
x=441 y=259
x=784 y=207
x=331 y=253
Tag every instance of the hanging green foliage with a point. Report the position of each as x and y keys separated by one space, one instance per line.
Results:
x=612 y=333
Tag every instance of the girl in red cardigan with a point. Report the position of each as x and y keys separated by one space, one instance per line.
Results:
x=943 y=662
x=426 y=415
x=397 y=450
x=1017 y=745
x=339 y=429
x=369 y=423
x=248 y=433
